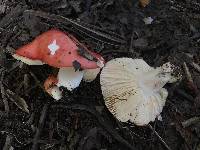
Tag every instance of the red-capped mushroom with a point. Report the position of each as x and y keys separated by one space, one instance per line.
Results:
x=58 y=49
x=62 y=50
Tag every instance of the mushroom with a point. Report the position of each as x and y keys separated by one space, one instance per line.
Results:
x=61 y=50
x=51 y=88
x=133 y=91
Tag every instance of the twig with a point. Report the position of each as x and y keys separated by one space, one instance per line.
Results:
x=7 y=144
x=132 y=126
x=187 y=72
x=83 y=27
x=196 y=66
x=3 y=94
x=26 y=81
x=190 y=121
x=40 y=127
x=131 y=43
x=36 y=80
x=29 y=89
x=20 y=102
x=14 y=136
x=15 y=65
x=190 y=83
x=156 y=133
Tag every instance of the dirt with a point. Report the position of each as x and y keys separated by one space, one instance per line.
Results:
x=80 y=120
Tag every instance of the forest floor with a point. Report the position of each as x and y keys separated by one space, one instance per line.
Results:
x=80 y=120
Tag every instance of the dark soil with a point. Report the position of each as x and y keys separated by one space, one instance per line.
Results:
x=80 y=121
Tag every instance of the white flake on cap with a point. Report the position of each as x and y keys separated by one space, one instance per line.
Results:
x=53 y=47
x=133 y=90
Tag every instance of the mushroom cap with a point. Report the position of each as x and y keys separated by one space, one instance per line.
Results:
x=133 y=90
x=58 y=49
x=51 y=88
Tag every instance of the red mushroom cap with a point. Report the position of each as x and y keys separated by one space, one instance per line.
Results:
x=59 y=49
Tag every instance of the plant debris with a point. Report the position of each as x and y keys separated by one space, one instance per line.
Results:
x=144 y=3
x=115 y=29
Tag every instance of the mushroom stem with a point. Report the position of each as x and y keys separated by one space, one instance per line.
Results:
x=155 y=79
x=69 y=78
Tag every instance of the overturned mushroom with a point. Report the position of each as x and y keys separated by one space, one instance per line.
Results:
x=61 y=50
x=133 y=91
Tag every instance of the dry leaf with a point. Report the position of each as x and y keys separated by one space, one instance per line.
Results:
x=20 y=102
x=144 y=3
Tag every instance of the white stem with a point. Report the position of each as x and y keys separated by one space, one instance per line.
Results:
x=155 y=79
x=69 y=78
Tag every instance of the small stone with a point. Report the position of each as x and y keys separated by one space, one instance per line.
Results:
x=148 y=20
